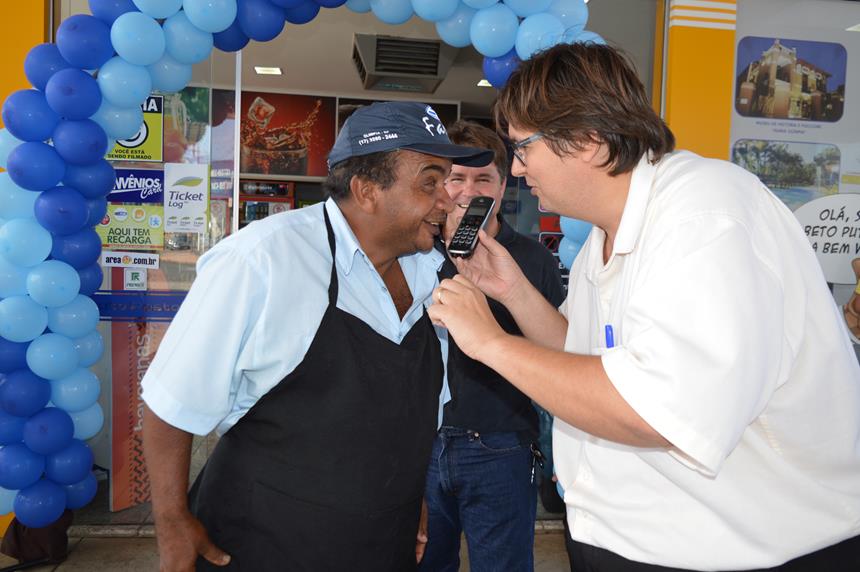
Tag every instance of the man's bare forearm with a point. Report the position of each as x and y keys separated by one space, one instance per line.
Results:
x=538 y=320
x=168 y=458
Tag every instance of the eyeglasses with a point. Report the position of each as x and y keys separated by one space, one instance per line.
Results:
x=516 y=148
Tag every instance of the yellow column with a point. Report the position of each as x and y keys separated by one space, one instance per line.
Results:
x=699 y=65
x=25 y=24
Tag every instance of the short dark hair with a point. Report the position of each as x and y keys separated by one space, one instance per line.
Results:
x=580 y=93
x=472 y=134
x=379 y=168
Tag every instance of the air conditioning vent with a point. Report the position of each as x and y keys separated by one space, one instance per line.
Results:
x=401 y=64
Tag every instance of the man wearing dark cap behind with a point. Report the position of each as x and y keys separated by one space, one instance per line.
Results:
x=305 y=343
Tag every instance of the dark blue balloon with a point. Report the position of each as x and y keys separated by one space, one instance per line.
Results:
x=498 y=70
x=61 y=210
x=27 y=115
x=73 y=93
x=11 y=428
x=40 y=504
x=287 y=3
x=13 y=355
x=70 y=465
x=331 y=3
x=79 y=249
x=24 y=393
x=19 y=466
x=303 y=13
x=93 y=181
x=81 y=493
x=80 y=142
x=35 y=166
x=41 y=63
x=49 y=431
x=96 y=211
x=91 y=279
x=84 y=41
x=109 y=10
x=232 y=39
x=260 y=19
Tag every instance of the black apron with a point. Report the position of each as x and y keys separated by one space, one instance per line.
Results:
x=326 y=471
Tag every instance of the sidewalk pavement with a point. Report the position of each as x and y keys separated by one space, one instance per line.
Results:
x=137 y=553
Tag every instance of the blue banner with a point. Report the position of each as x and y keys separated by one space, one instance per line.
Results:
x=138 y=186
x=138 y=306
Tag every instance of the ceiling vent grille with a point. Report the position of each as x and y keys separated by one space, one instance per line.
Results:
x=390 y=63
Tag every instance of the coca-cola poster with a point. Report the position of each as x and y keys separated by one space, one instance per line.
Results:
x=285 y=134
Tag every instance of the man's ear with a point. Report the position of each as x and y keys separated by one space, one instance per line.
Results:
x=593 y=151
x=364 y=193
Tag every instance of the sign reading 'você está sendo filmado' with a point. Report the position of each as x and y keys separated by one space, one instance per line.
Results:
x=148 y=143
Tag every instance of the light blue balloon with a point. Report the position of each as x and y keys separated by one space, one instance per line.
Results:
x=75 y=319
x=494 y=30
x=53 y=283
x=159 y=9
x=588 y=37
x=480 y=4
x=435 y=10
x=77 y=391
x=7 y=497
x=574 y=229
x=360 y=6
x=573 y=15
x=15 y=202
x=567 y=251
x=186 y=43
x=124 y=84
x=392 y=11
x=22 y=319
x=90 y=348
x=111 y=143
x=137 y=38
x=526 y=8
x=88 y=422
x=7 y=143
x=52 y=356
x=537 y=33
x=118 y=122
x=13 y=279
x=210 y=15
x=168 y=75
x=25 y=242
x=455 y=30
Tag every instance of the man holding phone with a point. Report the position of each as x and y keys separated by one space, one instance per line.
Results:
x=705 y=391
x=305 y=343
x=481 y=480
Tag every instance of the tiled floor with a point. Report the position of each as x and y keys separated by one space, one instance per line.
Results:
x=139 y=555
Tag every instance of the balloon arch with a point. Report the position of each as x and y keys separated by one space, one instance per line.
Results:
x=88 y=88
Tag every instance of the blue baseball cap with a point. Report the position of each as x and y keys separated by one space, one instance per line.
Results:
x=401 y=125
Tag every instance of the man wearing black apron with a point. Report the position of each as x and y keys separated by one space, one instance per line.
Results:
x=321 y=468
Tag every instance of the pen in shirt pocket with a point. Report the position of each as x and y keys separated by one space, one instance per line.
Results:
x=610 y=336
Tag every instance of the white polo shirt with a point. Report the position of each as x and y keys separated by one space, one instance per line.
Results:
x=729 y=344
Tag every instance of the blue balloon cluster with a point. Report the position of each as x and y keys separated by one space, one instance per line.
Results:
x=575 y=234
x=505 y=32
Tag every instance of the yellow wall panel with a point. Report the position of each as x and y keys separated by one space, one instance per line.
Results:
x=24 y=26
x=699 y=67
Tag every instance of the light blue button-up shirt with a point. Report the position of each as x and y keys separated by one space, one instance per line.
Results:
x=255 y=307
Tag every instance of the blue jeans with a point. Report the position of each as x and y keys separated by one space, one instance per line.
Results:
x=482 y=485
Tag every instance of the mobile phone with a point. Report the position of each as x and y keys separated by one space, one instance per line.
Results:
x=466 y=236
